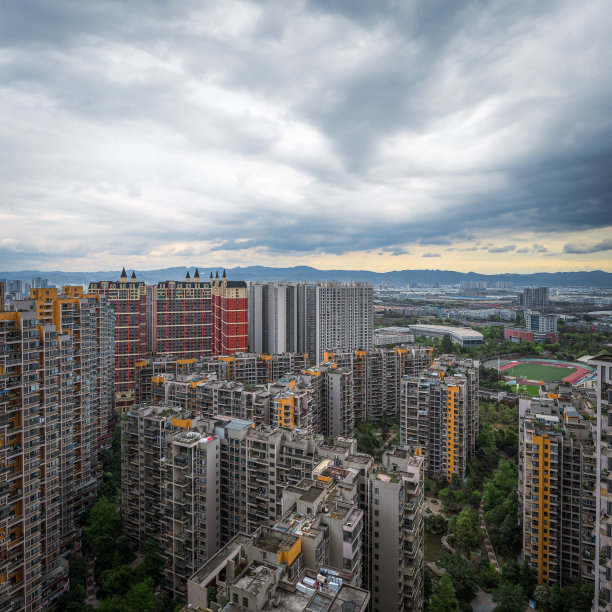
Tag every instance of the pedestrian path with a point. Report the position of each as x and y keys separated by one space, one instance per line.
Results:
x=488 y=545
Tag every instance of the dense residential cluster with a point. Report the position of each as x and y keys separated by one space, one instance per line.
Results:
x=244 y=466
x=56 y=409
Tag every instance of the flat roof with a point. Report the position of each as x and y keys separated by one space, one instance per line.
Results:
x=216 y=563
x=460 y=332
x=239 y=424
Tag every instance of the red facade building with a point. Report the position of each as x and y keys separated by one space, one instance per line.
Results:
x=230 y=312
x=187 y=319
x=128 y=299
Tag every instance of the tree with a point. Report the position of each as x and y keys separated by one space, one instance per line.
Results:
x=141 y=597
x=104 y=520
x=443 y=598
x=488 y=577
x=583 y=597
x=510 y=598
x=447 y=344
x=465 y=527
x=462 y=574
x=521 y=575
x=435 y=523
x=559 y=598
x=541 y=595
x=152 y=564
x=117 y=581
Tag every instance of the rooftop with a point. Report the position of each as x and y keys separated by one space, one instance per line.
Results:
x=239 y=424
x=273 y=542
x=216 y=563
x=254 y=577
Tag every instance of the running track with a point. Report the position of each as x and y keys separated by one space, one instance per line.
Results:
x=571 y=378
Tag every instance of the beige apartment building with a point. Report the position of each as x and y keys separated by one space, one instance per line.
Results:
x=439 y=415
x=557 y=475
x=603 y=516
x=56 y=394
x=396 y=531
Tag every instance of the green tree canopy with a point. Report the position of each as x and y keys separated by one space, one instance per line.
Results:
x=463 y=575
x=466 y=530
x=447 y=344
x=510 y=598
x=443 y=598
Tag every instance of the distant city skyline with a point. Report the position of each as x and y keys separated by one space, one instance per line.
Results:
x=381 y=136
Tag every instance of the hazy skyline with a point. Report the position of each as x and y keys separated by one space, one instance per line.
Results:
x=474 y=135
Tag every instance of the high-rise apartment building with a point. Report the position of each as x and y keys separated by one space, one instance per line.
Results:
x=128 y=300
x=181 y=321
x=230 y=316
x=56 y=360
x=439 y=415
x=396 y=531
x=339 y=503
x=2 y=295
x=603 y=511
x=188 y=319
x=311 y=317
x=273 y=316
x=377 y=376
x=557 y=474
x=535 y=298
x=536 y=322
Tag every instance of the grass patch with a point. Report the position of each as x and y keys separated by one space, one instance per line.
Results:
x=532 y=390
x=535 y=371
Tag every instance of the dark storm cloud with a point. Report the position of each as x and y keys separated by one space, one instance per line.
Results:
x=604 y=245
x=313 y=127
x=431 y=255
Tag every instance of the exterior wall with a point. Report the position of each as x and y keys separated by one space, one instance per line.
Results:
x=230 y=317
x=55 y=409
x=557 y=472
x=183 y=318
x=311 y=317
x=439 y=416
x=603 y=518
x=396 y=536
x=534 y=297
x=534 y=321
x=129 y=302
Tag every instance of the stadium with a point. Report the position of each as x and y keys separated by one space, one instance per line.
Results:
x=530 y=370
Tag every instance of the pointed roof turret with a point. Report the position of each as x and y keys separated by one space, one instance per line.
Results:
x=133 y=275
x=187 y=276
x=123 y=278
x=196 y=276
x=217 y=275
x=224 y=276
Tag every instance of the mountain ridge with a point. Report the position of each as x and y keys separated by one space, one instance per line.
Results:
x=594 y=278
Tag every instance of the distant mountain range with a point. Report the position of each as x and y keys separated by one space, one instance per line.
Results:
x=596 y=278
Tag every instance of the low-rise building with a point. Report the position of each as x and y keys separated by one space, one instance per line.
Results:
x=464 y=336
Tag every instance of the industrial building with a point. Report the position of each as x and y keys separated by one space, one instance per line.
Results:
x=464 y=336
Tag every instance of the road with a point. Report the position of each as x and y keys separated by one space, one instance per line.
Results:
x=483 y=602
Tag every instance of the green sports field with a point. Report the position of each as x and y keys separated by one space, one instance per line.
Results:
x=535 y=371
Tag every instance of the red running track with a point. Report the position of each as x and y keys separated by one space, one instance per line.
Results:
x=571 y=378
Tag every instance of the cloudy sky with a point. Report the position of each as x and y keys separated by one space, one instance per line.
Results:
x=471 y=135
